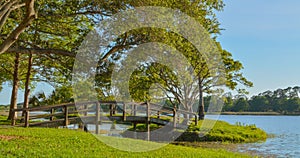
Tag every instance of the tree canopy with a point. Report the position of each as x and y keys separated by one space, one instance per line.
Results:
x=39 y=40
x=280 y=100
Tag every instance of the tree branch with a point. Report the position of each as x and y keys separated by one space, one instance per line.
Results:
x=5 y=8
x=115 y=48
x=12 y=38
x=41 y=51
x=4 y=18
x=89 y=12
x=17 y=6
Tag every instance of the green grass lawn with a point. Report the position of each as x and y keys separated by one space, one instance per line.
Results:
x=50 y=142
x=45 y=142
x=4 y=121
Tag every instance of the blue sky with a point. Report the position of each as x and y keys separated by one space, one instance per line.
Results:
x=263 y=34
x=5 y=94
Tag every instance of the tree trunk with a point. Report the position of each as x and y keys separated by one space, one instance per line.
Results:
x=201 y=101
x=14 y=94
x=27 y=90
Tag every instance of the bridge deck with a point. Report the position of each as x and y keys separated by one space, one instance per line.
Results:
x=65 y=114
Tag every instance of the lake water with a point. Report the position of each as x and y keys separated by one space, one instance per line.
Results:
x=286 y=130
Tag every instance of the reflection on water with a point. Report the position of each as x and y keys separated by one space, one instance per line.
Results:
x=109 y=129
x=286 y=129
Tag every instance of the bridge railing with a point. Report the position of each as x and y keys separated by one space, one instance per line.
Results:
x=66 y=110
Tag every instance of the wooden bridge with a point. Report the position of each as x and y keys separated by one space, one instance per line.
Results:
x=100 y=111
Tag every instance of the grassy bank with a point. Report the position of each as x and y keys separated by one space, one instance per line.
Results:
x=43 y=142
x=262 y=113
x=221 y=132
x=251 y=113
x=225 y=132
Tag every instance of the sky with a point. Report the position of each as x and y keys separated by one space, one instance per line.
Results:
x=264 y=35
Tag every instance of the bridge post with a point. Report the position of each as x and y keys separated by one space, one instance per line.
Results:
x=134 y=109
x=148 y=121
x=51 y=112
x=66 y=123
x=85 y=108
x=114 y=108
x=26 y=118
x=196 y=120
x=133 y=113
x=110 y=110
x=174 y=117
x=178 y=117
x=97 y=117
x=124 y=111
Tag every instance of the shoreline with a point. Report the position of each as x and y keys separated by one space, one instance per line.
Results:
x=232 y=147
x=261 y=113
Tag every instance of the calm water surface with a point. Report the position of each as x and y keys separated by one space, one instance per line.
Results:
x=286 y=129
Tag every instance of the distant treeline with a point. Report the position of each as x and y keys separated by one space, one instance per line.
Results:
x=281 y=100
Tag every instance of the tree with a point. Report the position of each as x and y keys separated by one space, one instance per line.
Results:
x=280 y=100
x=13 y=100
x=206 y=80
x=54 y=36
x=51 y=41
x=259 y=103
x=241 y=104
x=37 y=39
x=292 y=105
x=14 y=67
x=228 y=102
x=61 y=94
